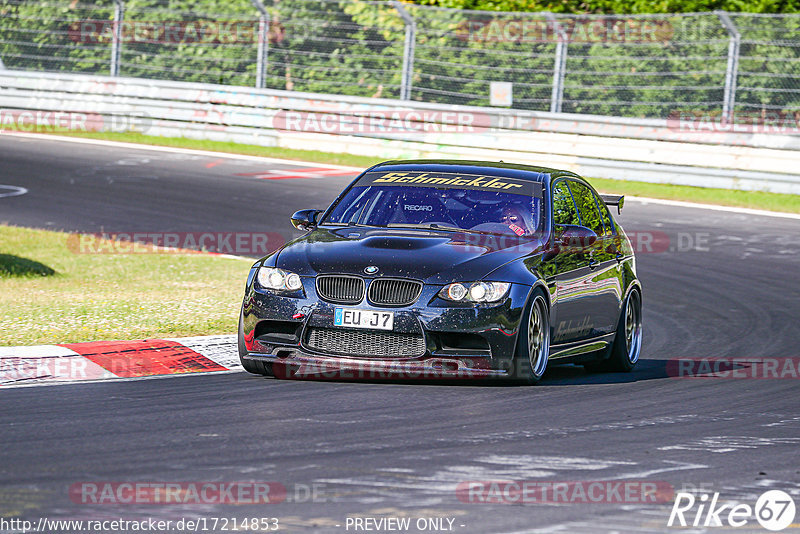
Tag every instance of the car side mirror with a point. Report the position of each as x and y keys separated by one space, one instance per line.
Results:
x=305 y=220
x=575 y=237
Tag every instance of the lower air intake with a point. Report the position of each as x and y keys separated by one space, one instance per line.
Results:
x=356 y=343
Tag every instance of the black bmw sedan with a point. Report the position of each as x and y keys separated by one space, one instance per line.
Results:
x=447 y=269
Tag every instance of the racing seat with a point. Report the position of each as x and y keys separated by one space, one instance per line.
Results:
x=419 y=208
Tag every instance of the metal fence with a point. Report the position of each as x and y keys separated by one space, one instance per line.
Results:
x=627 y=65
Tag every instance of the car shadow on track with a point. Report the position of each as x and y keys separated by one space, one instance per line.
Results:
x=563 y=375
x=567 y=375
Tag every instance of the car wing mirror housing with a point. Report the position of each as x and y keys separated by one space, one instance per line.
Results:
x=305 y=220
x=575 y=237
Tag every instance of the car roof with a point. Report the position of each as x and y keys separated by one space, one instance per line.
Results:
x=490 y=168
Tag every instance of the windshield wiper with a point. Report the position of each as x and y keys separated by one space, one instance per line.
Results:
x=435 y=226
x=427 y=226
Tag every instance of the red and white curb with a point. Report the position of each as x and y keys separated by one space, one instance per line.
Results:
x=108 y=360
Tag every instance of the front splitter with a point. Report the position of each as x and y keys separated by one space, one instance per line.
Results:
x=301 y=365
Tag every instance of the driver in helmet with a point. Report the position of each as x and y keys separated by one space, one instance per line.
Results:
x=513 y=218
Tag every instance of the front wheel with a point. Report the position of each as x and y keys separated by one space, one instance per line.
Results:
x=533 y=342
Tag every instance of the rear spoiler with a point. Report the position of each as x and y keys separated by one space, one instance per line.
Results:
x=614 y=200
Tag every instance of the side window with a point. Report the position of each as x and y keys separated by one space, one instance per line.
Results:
x=563 y=207
x=587 y=207
x=606 y=216
x=350 y=206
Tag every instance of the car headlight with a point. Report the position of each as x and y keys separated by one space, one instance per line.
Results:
x=278 y=279
x=475 y=292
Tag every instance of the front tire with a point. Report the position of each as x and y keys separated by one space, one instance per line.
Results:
x=533 y=341
x=251 y=366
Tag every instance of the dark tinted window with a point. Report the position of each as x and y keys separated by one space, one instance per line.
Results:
x=563 y=207
x=587 y=207
x=606 y=216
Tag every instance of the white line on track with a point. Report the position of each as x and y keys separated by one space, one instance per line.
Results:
x=176 y=150
x=209 y=153
x=12 y=191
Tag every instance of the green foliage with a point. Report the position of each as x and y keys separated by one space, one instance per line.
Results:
x=621 y=6
x=627 y=65
x=214 y=44
x=37 y=36
x=319 y=47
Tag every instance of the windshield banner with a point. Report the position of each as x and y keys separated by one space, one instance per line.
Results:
x=444 y=180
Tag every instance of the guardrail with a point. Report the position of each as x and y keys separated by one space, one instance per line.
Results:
x=679 y=150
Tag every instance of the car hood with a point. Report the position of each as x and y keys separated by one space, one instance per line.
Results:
x=430 y=255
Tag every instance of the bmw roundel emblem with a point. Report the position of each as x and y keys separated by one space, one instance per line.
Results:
x=371 y=269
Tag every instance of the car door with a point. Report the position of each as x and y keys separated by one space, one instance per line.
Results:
x=570 y=274
x=603 y=285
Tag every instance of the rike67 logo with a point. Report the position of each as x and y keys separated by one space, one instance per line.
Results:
x=774 y=510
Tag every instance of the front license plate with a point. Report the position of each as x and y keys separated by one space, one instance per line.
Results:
x=382 y=320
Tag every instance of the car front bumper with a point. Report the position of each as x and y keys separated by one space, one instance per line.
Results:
x=461 y=340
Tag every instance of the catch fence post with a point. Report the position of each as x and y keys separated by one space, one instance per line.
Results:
x=732 y=70
x=407 y=78
x=116 y=39
x=559 y=68
x=263 y=44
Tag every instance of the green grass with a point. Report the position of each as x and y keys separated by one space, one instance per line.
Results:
x=723 y=197
x=50 y=294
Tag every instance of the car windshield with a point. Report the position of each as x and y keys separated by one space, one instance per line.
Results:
x=472 y=203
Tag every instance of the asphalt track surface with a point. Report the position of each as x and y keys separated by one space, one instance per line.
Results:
x=400 y=449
